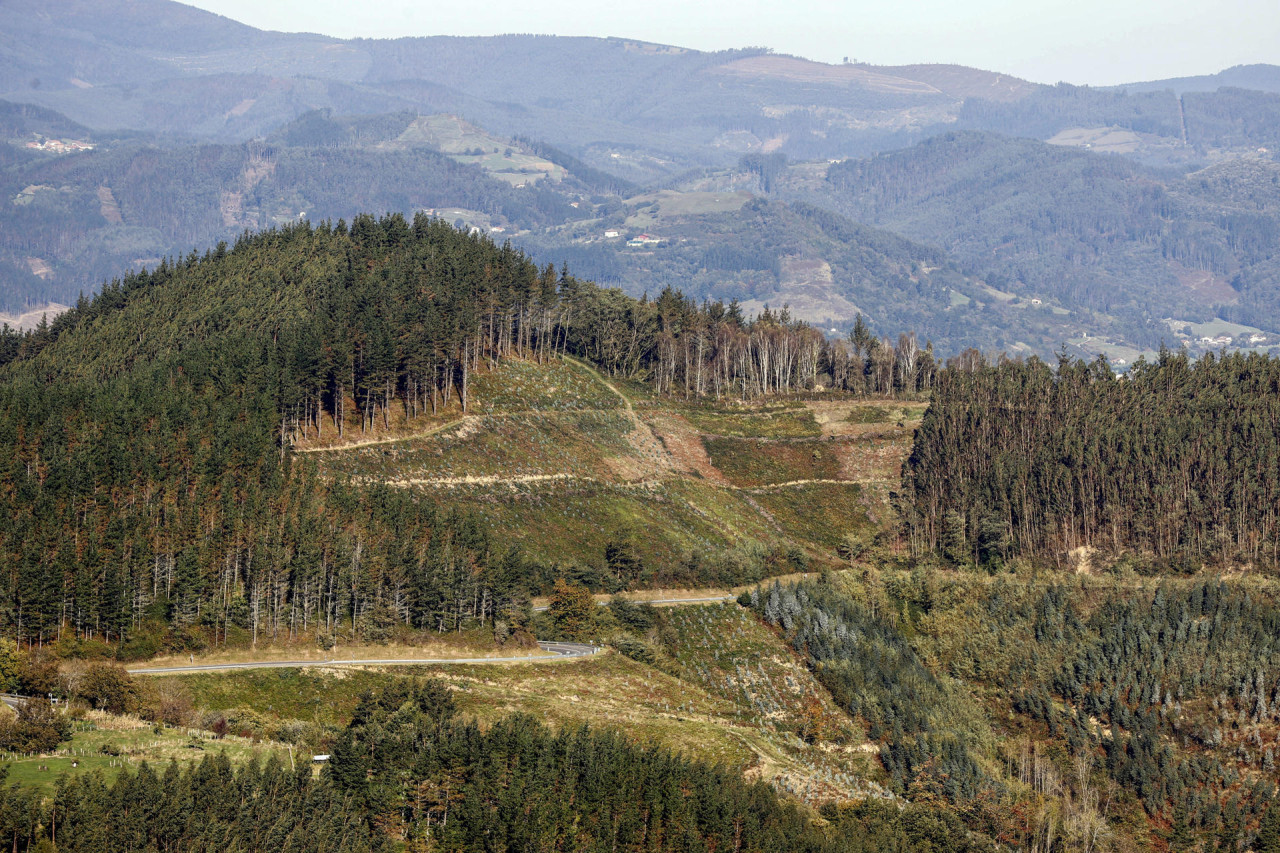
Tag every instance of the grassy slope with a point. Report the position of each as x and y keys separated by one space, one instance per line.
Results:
x=726 y=690
x=107 y=744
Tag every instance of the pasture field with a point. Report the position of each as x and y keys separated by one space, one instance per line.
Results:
x=106 y=744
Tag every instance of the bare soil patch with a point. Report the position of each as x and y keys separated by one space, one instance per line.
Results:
x=108 y=206
x=1206 y=287
x=961 y=82
x=684 y=445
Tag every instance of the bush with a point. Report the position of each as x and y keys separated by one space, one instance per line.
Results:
x=164 y=700
x=632 y=616
x=247 y=722
x=868 y=415
x=185 y=640
x=36 y=727
x=10 y=666
x=108 y=687
x=71 y=646
x=634 y=648
x=292 y=731
x=39 y=675
x=140 y=647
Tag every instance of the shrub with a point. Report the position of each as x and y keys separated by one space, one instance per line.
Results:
x=39 y=674
x=10 y=666
x=164 y=700
x=36 y=727
x=868 y=415
x=632 y=616
x=247 y=722
x=140 y=647
x=108 y=687
x=71 y=646
x=634 y=648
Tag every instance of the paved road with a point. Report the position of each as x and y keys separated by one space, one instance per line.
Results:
x=567 y=650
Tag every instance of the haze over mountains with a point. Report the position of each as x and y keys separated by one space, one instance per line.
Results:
x=1010 y=215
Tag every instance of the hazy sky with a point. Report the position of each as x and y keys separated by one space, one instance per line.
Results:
x=1081 y=41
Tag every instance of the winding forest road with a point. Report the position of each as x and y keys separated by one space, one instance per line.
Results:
x=557 y=651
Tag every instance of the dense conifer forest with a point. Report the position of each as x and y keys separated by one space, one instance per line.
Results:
x=1173 y=463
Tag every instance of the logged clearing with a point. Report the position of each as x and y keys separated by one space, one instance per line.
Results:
x=561 y=461
x=810 y=293
x=467 y=143
x=673 y=203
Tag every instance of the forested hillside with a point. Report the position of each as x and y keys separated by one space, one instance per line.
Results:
x=1174 y=464
x=328 y=453
x=1081 y=714
x=1240 y=109
x=87 y=218
x=225 y=450
x=75 y=221
x=408 y=772
x=1098 y=234
x=152 y=481
x=822 y=266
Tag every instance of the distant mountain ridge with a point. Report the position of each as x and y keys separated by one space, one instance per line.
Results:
x=115 y=63
x=1100 y=233
x=201 y=128
x=176 y=71
x=1259 y=77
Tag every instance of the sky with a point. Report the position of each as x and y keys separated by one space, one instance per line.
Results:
x=1094 y=42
